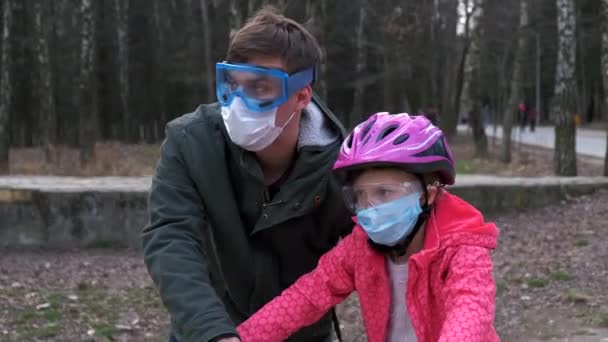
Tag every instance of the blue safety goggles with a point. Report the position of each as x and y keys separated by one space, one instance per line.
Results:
x=261 y=89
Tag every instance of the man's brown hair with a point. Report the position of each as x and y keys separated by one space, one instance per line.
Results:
x=269 y=33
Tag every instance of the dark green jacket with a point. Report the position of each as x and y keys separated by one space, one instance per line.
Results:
x=216 y=245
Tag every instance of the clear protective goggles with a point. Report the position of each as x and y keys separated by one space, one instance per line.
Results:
x=366 y=196
x=261 y=89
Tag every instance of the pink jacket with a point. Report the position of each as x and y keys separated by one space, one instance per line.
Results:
x=450 y=289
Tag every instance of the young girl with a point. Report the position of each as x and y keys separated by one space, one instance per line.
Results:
x=419 y=257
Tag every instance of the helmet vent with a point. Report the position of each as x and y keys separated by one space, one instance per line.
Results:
x=366 y=140
x=401 y=139
x=349 y=141
x=438 y=149
x=388 y=130
x=367 y=128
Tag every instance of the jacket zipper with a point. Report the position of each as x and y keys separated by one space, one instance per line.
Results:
x=272 y=204
x=267 y=202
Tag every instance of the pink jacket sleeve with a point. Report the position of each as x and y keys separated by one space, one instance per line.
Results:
x=470 y=295
x=305 y=302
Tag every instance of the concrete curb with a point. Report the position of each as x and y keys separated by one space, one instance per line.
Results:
x=492 y=194
x=65 y=212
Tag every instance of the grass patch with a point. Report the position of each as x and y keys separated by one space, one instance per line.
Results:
x=601 y=319
x=56 y=299
x=104 y=330
x=576 y=296
x=581 y=242
x=145 y=297
x=560 y=276
x=52 y=314
x=537 y=283
x=500 y=287
x=44 y=332
x=30 y=315
x=94 y=308
x=468 y=166
x=26 y=316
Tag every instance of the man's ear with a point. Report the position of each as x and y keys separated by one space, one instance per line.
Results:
x=303 y=98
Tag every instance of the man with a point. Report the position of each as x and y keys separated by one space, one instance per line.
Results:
x=243 y=201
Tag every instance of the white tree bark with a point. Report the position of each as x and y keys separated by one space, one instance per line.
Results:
x=5 y=84
x=121 y=8
x=516 y=86
x=605 y=71
x=565 y=90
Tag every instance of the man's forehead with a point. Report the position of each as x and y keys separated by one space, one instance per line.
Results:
x=268 y=62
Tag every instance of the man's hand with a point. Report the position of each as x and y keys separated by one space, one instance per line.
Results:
x=230 y=339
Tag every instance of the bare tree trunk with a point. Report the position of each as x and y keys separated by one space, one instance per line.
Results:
x=65 y=61
x=161 y=29
x=361 y=65
x=235 y=16
x=121 y=8
x=208 y=71
x=405 y=105
x=316 y=16
x=605 y=71
x=323 y=87
x=6 y=89
x=87 y=85
x=47 y=117
x=565 y=91
x=250 y=7
x=471 y=61
x=516 y=83
x=451 y=69
x=388 y=80
x=470 y=99
x=434 y=27
x=393 y=59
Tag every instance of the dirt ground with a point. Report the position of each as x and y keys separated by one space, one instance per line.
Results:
x=551 y=268
x=116 y=159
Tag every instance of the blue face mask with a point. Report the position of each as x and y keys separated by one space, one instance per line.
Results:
x=391 y=222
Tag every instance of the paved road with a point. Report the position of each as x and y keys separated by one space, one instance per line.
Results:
x=588 y=142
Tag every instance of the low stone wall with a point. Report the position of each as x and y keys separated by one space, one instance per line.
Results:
x=492 y=194
x=72 y=212
x=65 y=212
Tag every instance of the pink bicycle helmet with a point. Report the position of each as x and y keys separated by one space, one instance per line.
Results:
x=409 y=142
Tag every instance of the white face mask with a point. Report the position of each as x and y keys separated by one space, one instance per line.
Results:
x=253 y=131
